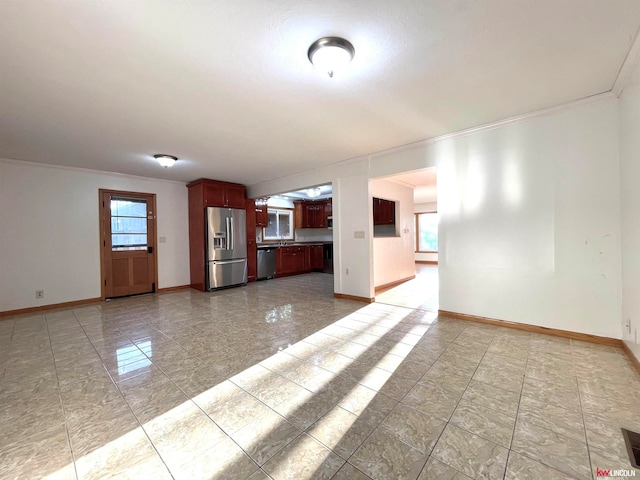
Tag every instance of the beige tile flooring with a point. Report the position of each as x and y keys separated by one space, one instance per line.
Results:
x=421 y=292
x=280 y=380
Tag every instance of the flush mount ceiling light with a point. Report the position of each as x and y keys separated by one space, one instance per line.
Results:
x=165 y=160
x=330 y=54
x=313 y=192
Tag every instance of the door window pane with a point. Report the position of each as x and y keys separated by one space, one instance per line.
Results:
x=128 y=224
x=118 y=241
x=128 y=208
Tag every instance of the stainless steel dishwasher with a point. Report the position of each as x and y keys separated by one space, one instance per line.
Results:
x=266 y=263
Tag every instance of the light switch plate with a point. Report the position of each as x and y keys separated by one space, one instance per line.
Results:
x=358 y=234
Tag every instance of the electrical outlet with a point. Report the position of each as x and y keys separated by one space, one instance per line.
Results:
x=39 y=293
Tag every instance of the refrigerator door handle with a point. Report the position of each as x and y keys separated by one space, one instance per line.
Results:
x=226 y=224
x=233 y=234
x=224 y=262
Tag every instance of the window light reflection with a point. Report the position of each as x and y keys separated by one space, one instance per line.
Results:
x=351 y=331
x=282 y=312
x=130 y=360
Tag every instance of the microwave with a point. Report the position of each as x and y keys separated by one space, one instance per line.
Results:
x=330 y=223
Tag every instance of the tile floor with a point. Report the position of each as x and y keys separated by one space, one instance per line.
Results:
x=280 y=380
x=421 y=292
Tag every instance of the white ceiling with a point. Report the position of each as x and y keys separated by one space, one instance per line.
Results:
x=424 y=184
x=227 y=87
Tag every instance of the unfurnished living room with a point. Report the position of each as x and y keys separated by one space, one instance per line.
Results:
x=319 y=240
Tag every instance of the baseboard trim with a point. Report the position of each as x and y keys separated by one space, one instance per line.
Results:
x=75 y=303
x=53 y=306
x=584 y=337
x=174 y=289
x=428 y=262
x=354 y=297
x=634 y=360
x=390 y=285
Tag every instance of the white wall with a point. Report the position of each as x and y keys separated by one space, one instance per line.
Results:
x=314 y=235
x=530 y=222
x=529 y=216
x=353 y=257
x=393 y=257
x=49 y=232
x=425 y=208
x=630 y=175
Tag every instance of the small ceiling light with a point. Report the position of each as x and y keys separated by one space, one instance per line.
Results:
x=330 y=54
x=165 y=160
x=314 y=192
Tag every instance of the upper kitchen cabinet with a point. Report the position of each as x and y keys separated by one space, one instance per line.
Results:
x=261 y=213
x=219 y=194
x=328 y=207
x=311 y=214
x=384 y=212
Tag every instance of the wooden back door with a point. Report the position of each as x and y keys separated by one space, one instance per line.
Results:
x=128 y=243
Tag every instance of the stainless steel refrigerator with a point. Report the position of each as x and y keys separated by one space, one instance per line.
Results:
x=226 y=257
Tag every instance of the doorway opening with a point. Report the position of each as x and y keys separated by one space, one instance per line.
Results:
x=405 y=266
x=128 y=257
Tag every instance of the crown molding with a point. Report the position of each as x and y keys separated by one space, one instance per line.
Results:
x=87 y=170
x=599 y=97
x=628 y=65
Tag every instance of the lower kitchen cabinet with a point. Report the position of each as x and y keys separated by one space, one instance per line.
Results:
x=290 y=261
x=299 y=259
x=315 y=257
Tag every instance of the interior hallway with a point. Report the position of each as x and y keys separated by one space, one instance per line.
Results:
x=421 y=292
x=280 y=380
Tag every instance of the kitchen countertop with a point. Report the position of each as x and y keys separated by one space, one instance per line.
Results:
x=292 y=244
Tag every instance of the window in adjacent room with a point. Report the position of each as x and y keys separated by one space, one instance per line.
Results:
x=427 y=232
x=280 y=226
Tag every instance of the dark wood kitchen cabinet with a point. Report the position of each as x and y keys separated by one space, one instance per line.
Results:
x=315 y=257
x=384 y=212
x=310 y=214
x=262 y=216
x=205 y=193
x=328 y=207
x=290 y=261
x=215 y=193
x=252 y=247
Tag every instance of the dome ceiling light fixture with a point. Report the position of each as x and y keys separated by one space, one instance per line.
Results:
x=314 y=192
x=165 y=160
x=330 y=54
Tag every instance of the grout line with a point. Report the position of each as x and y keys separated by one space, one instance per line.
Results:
x=515 y=423
x=120 y=390
x=64 y=413
x=584 y=425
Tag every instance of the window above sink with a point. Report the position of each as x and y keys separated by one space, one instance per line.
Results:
x=280 y=226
